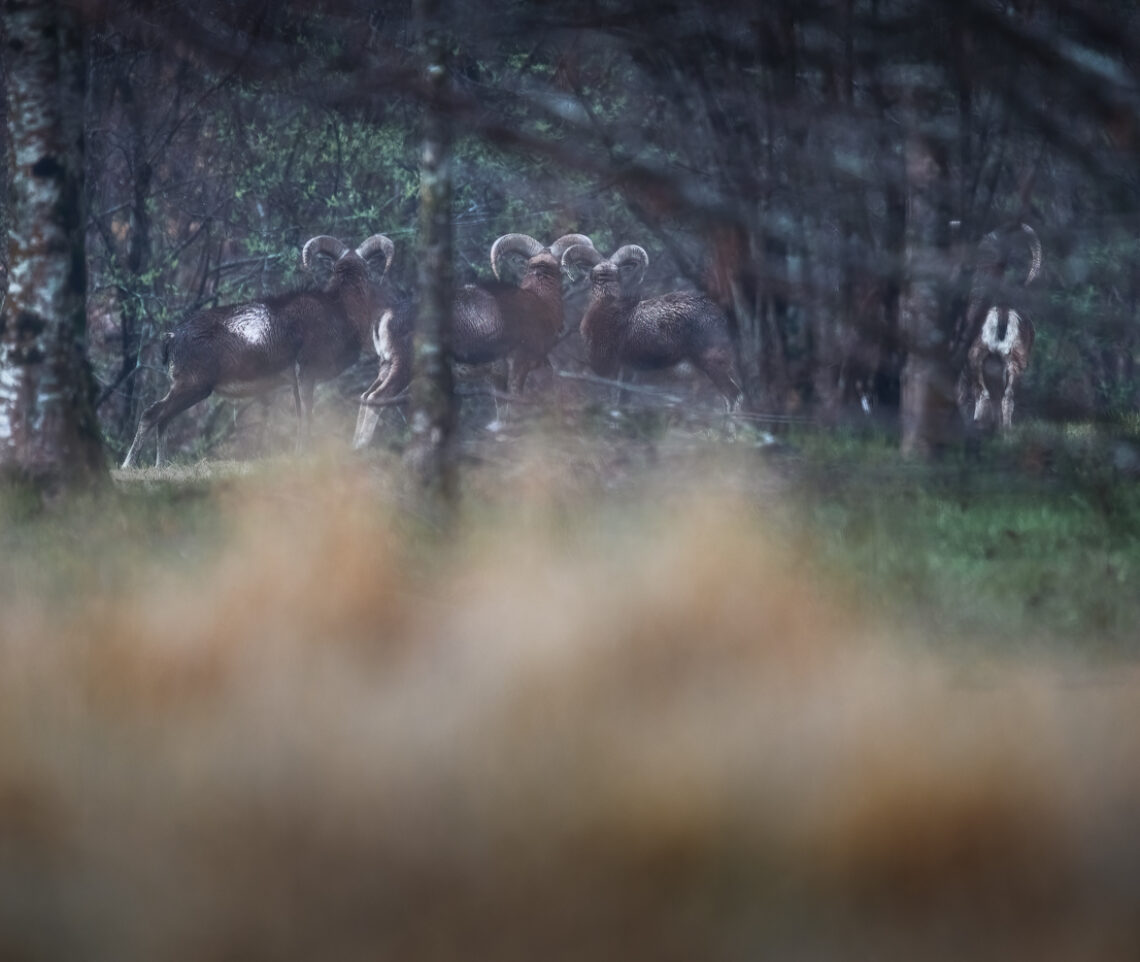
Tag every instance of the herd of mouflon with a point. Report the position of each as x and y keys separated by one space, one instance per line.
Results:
x=304 y=337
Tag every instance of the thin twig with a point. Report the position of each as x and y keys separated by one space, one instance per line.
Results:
x=497 y=395
x=111 y=388
x=780 y=418
x=632 y=388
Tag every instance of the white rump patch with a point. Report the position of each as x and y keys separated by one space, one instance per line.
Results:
x=990 y=338
x=251 y=324
x=382 y=336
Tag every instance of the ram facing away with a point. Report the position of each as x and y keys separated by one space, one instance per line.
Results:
x=999 y=356
x=297 y=338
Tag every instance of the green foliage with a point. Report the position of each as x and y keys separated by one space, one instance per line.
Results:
x=1088 y=335
x=313 y=173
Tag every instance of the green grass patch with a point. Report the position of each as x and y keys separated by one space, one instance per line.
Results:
x=1030 y=542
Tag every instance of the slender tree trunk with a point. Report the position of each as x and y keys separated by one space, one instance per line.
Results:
x=929 y=410
x=132 y=294
x=48 y=431
x=5 y=183
x=888 y=375
x=837 y=325
x=433 y=395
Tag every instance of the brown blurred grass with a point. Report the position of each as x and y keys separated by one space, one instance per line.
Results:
x=262 y=715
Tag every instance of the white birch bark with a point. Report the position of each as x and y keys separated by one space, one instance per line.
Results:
x=48 y=432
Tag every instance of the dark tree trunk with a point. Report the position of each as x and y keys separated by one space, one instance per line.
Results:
x=837 y=326
x=138 y=256
x=433 y=395
x=48 y=432
x=774 y=323
x=929 y=410
x=888 y=373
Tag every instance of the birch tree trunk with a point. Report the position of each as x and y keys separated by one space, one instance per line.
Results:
x=48 y=431
x=433 y=394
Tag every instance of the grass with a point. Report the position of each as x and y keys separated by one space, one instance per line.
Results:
x=654 y=696
x=1032 y=543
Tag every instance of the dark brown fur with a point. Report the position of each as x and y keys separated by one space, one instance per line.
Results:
x=621 y=330
x=309 y=336
x=491 y=322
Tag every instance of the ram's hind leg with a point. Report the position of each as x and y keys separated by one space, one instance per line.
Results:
x=500 y=377
x=264 y=406
x=983 y=404
x=158 y=415
x=1012 y=379
x=519 y=367
x=146 y=423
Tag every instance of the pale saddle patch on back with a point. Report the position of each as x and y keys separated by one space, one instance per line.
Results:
x=251 y=324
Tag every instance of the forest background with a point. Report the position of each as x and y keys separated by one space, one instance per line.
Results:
x=757 y=154
x=829 y=687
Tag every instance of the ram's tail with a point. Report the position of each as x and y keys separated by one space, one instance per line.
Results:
x=166 y=339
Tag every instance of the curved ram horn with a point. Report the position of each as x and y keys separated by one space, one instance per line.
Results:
x=522 y=244
x=322 y=244
x=632 y=253
x=578 y=254
x=378 y=242
x=560 y=246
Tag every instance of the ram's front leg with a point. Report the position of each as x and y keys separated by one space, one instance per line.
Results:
x=303 y=389
x=500 y=377
x=368 y=416
x=512 y=383
x=390 y=382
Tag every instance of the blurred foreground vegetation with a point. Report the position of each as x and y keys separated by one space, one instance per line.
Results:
x=1032 y=544
x=654 y=695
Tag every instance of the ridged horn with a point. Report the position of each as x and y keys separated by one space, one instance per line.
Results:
x=635 y=254
x=580 y=254
x=512 y=243
x=378 y=242
x=1034 y=253
x=560 y=246
x=322 y=244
